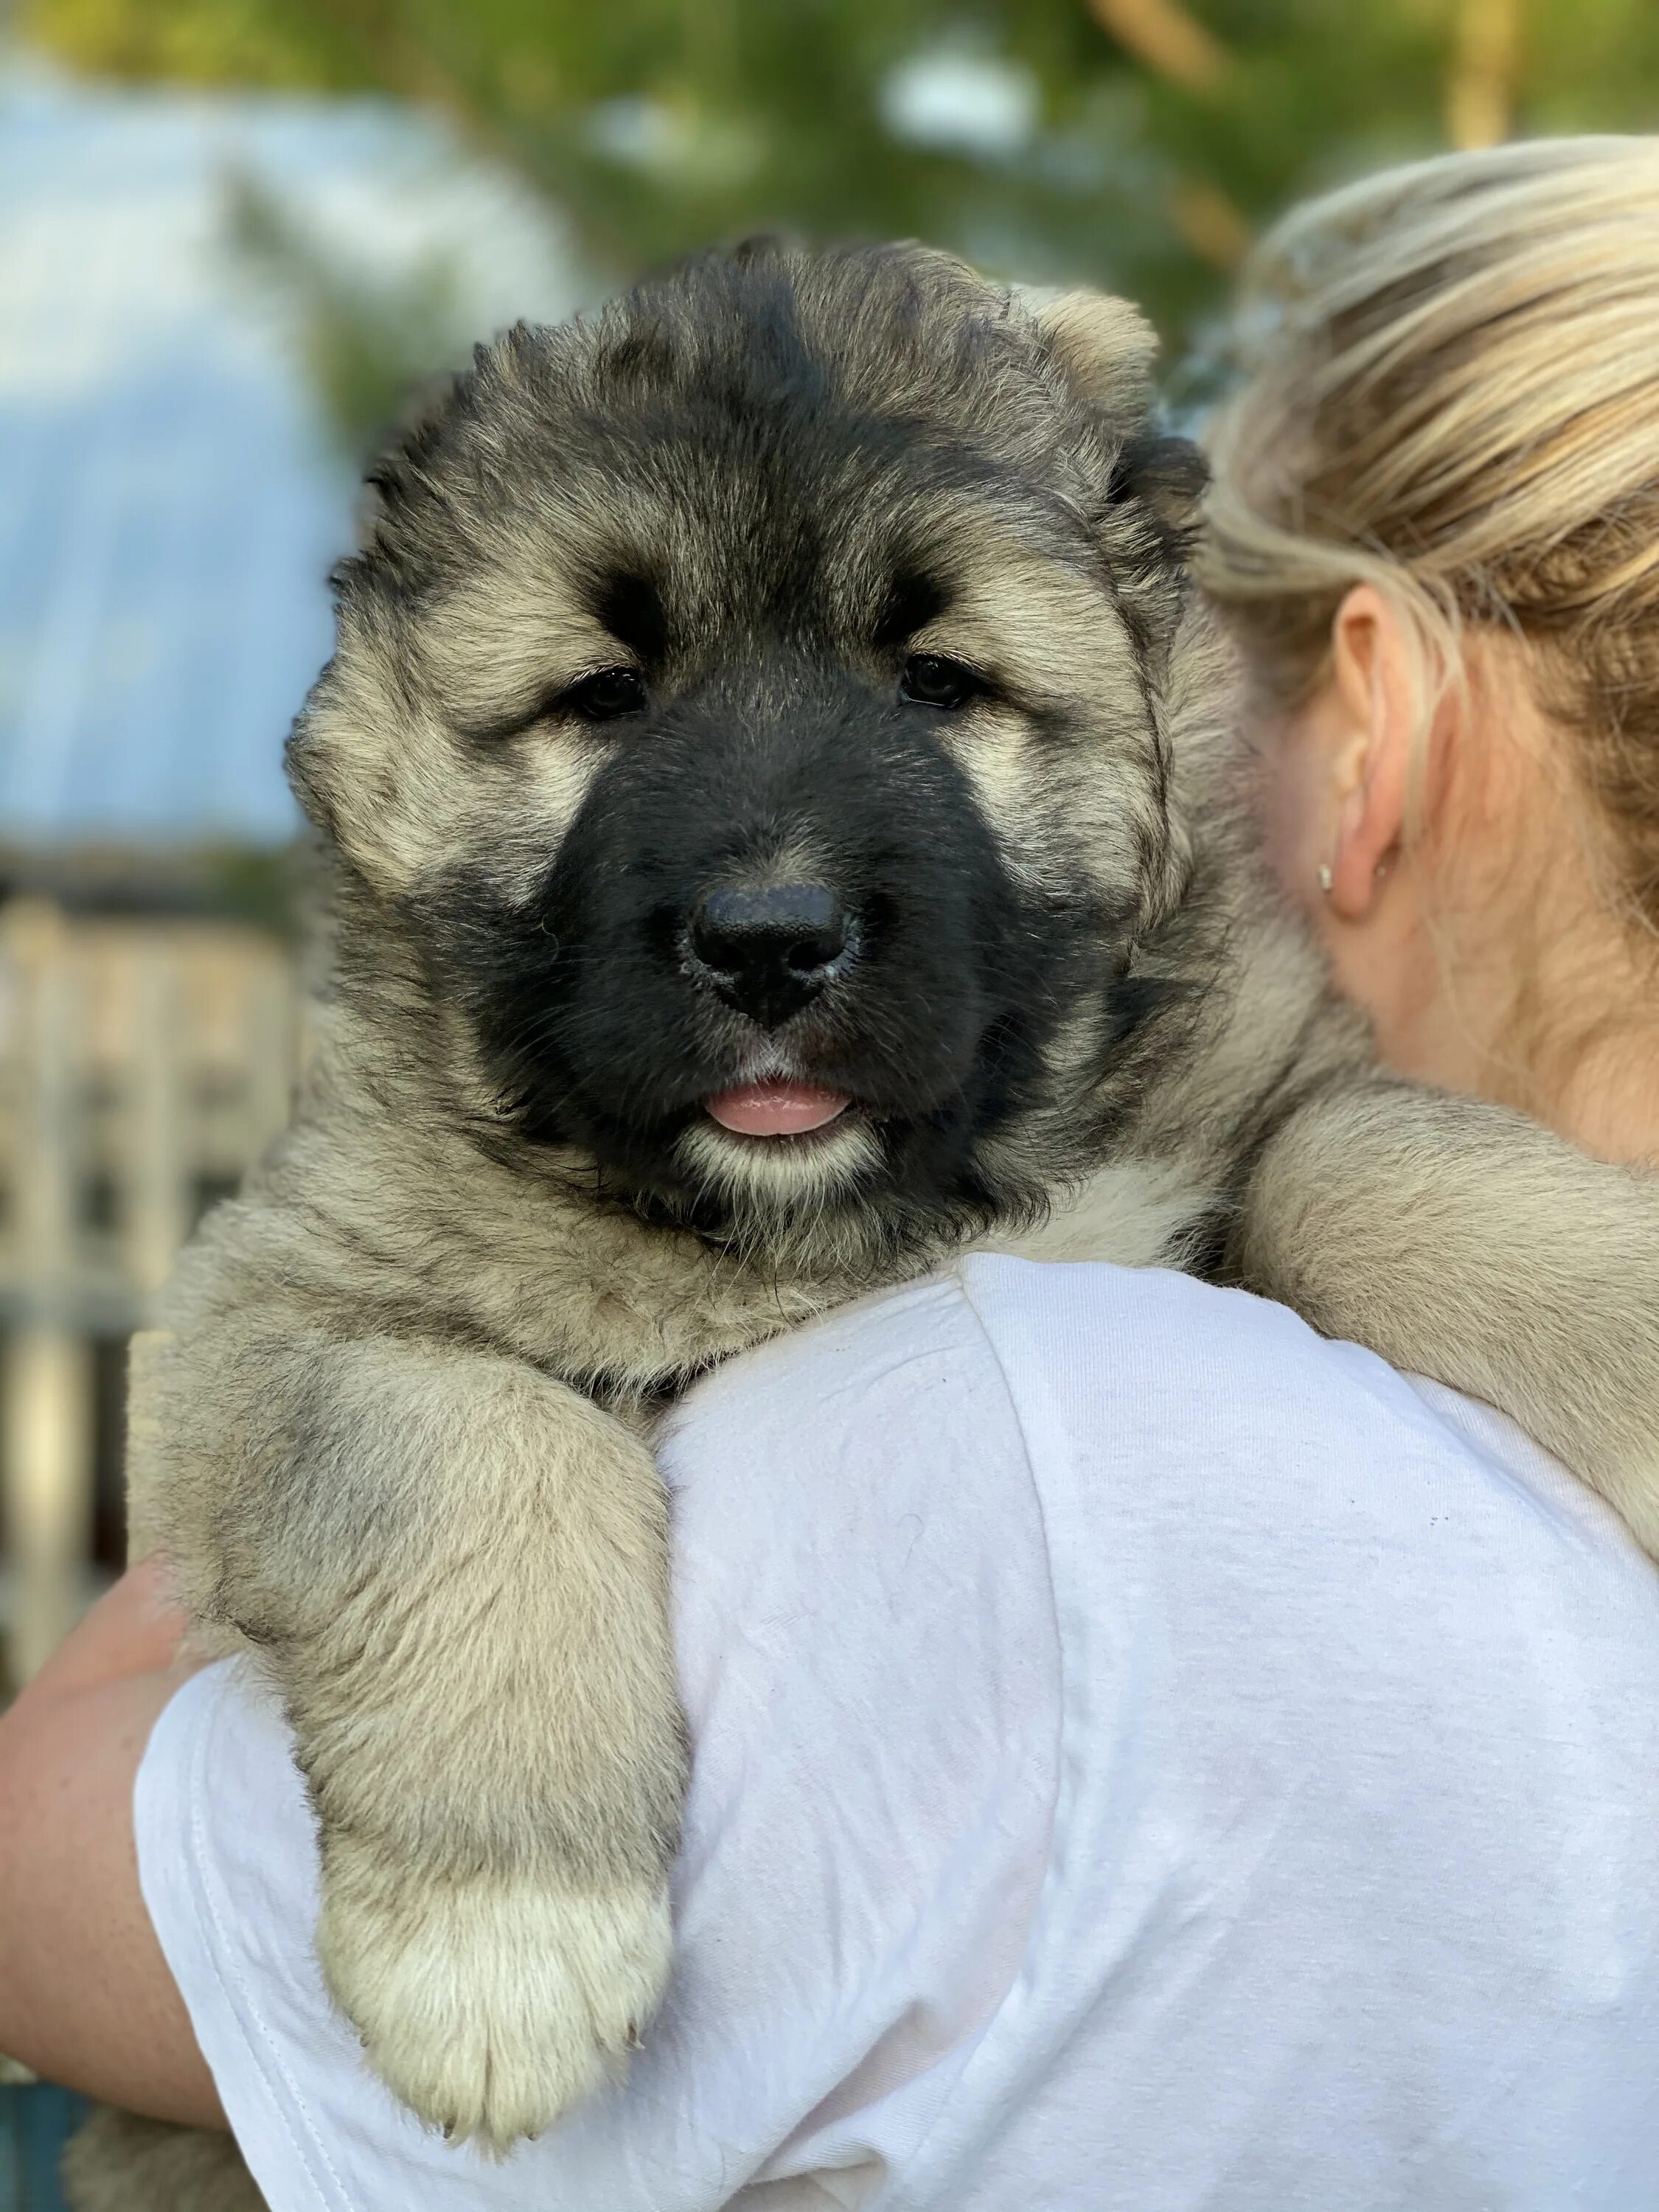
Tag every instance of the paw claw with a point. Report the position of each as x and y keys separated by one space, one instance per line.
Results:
x=490 y=2007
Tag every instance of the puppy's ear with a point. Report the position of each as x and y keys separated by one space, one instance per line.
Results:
x=1167 y=474
x=1103 y=347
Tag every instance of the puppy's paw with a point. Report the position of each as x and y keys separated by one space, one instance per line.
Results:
x=491 y=2006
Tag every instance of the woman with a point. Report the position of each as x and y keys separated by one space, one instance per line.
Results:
x=1053 y=1842
x=1434 y=524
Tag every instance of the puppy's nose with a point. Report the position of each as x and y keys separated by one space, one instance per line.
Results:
x=770 y=952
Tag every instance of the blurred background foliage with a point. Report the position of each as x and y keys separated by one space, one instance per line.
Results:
x=368 y=338
x=1137 y=143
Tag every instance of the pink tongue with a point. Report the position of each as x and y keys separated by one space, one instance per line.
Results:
x=775 y=1108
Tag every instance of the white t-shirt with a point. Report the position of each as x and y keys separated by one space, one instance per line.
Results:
x=1147 y=1759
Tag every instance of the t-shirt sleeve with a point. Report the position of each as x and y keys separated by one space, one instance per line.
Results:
x=868 y=1660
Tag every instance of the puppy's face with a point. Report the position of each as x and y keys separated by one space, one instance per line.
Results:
x=750 y=702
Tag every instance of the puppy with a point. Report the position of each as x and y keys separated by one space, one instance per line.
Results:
x=785 y=825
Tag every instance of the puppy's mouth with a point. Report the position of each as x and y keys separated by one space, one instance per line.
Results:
x=775 y=1106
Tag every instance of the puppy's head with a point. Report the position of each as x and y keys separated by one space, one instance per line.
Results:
x=749 y=700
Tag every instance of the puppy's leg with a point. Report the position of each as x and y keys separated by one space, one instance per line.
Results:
x=456 y=1569
x=1465 y=1242
x=119 y=2163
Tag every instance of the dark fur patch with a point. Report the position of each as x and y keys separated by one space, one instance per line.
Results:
x=597 y=1036
x=630 y=606
x=912 y=601
x=761 y=475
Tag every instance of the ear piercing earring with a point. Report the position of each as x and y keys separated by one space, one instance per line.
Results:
x=1325 y=878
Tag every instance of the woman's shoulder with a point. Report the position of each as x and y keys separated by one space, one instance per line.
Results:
x=1101 y=1413
x=994 y=1320
x=1159 y=1395
x=999 y=1359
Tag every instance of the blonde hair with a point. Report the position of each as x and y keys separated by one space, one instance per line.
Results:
x=1453 y=393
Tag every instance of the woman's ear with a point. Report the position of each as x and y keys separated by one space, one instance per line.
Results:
x=1376 y=675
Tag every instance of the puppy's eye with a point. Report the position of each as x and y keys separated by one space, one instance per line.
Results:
x=604 y=697
x=930 y=680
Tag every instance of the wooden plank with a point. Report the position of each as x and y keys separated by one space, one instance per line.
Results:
x=139 y=1060
x=48 y=1447
x=46 y=1444
x=157 y=1206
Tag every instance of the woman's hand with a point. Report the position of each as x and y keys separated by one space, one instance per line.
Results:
x=86 y=1997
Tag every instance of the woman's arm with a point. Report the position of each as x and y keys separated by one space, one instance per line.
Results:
x=86 y=1997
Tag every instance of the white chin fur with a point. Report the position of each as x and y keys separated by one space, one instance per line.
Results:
x=779 y=1173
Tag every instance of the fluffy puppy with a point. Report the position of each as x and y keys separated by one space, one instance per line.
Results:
x=785 y=826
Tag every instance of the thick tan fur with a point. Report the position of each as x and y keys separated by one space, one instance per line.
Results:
x=118 y=2163
x=398 y=1435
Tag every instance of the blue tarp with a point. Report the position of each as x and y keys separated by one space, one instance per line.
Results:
x=34 y=2125
x=167 y=508
x=168 y=502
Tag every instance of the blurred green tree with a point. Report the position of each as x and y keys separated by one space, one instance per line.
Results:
x=1131 y=143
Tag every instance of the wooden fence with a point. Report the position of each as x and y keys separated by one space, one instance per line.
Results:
x=144 y=1064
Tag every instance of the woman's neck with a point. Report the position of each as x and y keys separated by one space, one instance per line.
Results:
x=1610 y=1103
x=1566 y=1032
